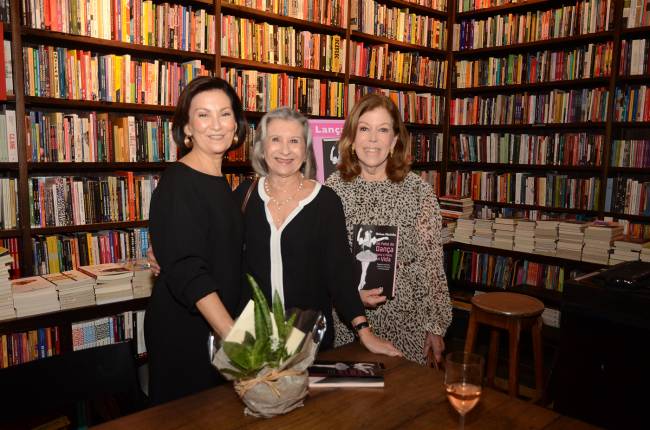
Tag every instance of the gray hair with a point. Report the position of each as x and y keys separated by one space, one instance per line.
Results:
x=258 y=162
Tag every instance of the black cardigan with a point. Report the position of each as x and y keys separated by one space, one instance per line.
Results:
x=318 y=268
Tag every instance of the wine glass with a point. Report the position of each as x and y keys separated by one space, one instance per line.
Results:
x=463 y=380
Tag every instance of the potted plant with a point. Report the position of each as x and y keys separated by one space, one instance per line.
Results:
x=266 y=354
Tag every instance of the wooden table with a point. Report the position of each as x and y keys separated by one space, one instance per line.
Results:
x=413 y=398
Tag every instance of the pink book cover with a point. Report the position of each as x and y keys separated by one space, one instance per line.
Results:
x=325 y=137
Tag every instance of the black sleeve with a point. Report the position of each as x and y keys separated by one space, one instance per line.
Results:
x=179 y=227
x=241 y=190
x=246 y=292
x=339 y=268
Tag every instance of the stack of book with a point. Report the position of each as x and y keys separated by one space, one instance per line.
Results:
x=7 y=310
x=34 y=295
x=525 y=236
x=627 y=249
x=644 y=255
x=571 y=239
x=76 y=289
x=448 y=228
x=455 y=207
x=483 y=233
x=599 y=238
x=504 y=233
x=546 y=237
x=113 y=282
x=143 y=279
x=464 y=230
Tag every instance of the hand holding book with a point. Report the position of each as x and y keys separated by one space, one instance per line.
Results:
x=372 y=298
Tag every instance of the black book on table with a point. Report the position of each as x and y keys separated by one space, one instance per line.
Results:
x=362 y=374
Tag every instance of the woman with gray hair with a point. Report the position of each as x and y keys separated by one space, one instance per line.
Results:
x=295 y=234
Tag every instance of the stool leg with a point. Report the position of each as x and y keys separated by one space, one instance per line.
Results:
x=538 y=357
x=471 y=332
x=514 y=332
x=493 y=357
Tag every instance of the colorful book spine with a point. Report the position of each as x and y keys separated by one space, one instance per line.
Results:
x=58 y=253
x=585 y=17
x=57 y=201
x=23 y=347
x=553 y=107
x=593 y=60
x=557 y=149
x=142 y=22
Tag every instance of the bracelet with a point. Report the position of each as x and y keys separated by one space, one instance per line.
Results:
x=361 y=326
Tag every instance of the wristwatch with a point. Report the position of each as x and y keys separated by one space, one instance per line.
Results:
x=361 y=326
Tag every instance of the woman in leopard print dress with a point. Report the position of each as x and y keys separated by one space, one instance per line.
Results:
x=376 y=187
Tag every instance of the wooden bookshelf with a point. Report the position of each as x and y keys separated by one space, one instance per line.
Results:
x=90 y=105
x=6 y=166
x=66 y=317
x=384 y=83
x=371 y=38
x=113 y=46
x=539 y=86
x=508 y=8
x=459 y=165
x=636 y=31
x=10 y=233
x=88 y=227
x=414 y=7
x=586 y=212
x=530 y=128
x=429 y=165
x=98 y=166
x=537 y=258
x=279 y=68
x=633 y=80
x=529 y=46
x=283 y=20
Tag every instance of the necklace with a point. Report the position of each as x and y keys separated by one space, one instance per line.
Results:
x=279 y=203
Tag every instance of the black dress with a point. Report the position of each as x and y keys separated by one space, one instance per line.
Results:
x=196 y=232
x=311 y=253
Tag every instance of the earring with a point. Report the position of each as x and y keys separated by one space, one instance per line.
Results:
x=391 y=151
x=235 y=140
x=188 y=140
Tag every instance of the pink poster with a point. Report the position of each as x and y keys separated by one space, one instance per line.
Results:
x=325 y=134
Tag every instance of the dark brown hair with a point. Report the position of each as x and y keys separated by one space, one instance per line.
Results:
x=182 y=112
x=398 y=164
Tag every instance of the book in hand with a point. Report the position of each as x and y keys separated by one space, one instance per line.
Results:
x=374 y=249
x=364 y=374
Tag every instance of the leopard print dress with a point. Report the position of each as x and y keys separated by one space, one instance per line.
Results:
x=421 y=302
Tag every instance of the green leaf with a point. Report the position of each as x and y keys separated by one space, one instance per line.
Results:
x=249 y=339
x=263 y=326
x=260 y=353
x=260 y=327
x=239 y=355
x=290 y=322
x=278 y=315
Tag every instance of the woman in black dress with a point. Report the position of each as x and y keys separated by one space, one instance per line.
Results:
x=196 y=229
x=296 y=241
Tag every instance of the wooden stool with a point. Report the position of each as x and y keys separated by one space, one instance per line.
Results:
x=512 y=312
